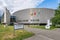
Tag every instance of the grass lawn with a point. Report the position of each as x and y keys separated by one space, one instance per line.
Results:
x=41 y=27
x=7 y=33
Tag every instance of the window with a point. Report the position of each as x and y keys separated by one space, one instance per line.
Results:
x=23 y=20
x=35 y=20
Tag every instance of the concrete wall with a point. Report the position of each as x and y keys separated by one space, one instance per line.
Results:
x=42 y=15
x=8 y=16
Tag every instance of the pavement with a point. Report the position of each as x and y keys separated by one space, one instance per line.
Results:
x=41 y=34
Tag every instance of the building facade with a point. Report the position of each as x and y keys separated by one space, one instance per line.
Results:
x=34 y=15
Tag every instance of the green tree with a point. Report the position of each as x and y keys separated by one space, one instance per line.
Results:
x=57 y=11
x=56 y=19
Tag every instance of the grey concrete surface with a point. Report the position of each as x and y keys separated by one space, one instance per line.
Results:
x=43 y=34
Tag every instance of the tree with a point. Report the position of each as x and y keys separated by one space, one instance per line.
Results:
x=56 y=19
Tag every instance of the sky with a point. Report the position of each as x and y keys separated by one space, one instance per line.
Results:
x=15 y=5
x=53 y=4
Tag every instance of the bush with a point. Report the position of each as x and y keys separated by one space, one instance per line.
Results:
x=56 y=20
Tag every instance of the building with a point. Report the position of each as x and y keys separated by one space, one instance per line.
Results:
x=34 y=15
x=5 y=19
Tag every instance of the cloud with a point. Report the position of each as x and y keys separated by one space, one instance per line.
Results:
x=14 y=5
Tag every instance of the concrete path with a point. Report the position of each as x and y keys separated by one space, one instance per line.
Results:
x=43 y=34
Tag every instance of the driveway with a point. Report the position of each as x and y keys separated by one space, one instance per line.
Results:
x=43 y=34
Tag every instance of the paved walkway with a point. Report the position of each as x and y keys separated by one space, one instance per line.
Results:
x=43 y=34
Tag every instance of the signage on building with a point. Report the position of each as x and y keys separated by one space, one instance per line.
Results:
x=33 y=14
